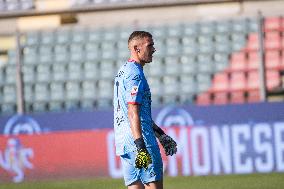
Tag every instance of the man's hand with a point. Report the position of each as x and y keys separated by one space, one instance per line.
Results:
x=143 y=159
x=169 y=145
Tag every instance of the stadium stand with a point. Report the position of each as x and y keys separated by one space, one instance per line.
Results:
x=211 y=62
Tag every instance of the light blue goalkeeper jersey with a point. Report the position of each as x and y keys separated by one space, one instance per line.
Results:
x=131 y=87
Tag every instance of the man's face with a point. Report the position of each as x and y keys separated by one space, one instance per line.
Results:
x=147 y=49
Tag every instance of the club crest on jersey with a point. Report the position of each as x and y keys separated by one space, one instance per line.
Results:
x=134 y=90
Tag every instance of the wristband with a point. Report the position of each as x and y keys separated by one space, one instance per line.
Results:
x=158 y=131
x=140 y=144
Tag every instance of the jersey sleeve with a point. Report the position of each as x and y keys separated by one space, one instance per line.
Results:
x=134 y=88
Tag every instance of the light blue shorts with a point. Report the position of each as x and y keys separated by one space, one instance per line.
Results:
x=154 y=172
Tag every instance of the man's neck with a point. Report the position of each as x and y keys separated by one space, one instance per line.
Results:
x=136 y=59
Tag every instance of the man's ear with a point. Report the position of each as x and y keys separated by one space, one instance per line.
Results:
x=136 y=49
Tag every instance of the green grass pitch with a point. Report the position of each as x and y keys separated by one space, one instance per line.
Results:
x=251 y=181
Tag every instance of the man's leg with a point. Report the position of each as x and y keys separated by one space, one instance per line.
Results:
x=154 y=185
x=136 y=185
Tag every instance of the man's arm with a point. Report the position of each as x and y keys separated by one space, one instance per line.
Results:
x=134 y=119
x=169 y=145
x=143 y=158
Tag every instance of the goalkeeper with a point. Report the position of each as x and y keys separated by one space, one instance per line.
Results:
x=135 y=131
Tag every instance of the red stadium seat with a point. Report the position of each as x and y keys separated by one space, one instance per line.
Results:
x=273 y=79
x=220 y=98
x=272 y=40
x=237 y=97
x=282 y=24
x=253 y=80
x=238 y=61
x=238 y=81
x=253 y=96
x=282 y=60
x=253 y=60
x=253 y=42
x=272 y=59
x=220 y=82
x=204 y=99
x=272 y=23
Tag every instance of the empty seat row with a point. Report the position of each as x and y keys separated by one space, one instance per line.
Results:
x=222 y=98
x=240 y=81
x=16 y=5
x=233 y=30
x=243 y=61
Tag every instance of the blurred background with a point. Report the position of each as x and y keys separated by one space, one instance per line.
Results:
x=217 y=84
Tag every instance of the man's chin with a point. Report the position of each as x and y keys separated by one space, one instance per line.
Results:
x=149 y=61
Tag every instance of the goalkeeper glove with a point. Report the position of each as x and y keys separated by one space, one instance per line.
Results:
x=169 y=145
x=143 y=158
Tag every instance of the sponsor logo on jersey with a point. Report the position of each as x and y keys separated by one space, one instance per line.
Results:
x=134 y=90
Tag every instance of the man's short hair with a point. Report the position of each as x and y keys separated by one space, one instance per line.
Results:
x=139 y=35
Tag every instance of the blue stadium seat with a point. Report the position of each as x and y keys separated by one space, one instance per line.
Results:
x=42 y=92
x=30 y=54
x=29 y=75
x=55 y=106
x=93 y=52
x=188 y=84
x=43 y=73
x=59 y=72
x=203 y=82
x=63 y=36
x=77 y=52
x=57 y=92
x=105 y=89
x=7 y=108
x=205 y=63
x=91 y=70
x=10 y=74
x=94 y=35
x=175 y=30
x=156 y=67
x=189 y=45
x=205 y=43
x=188 y=64
x=12 y=59
x=191 y=29
x=75 y=71
x=79 y=35
x=221 y=61
x=39 y=106
x=207 y=28
x=122 y=48
x=224 y=26
x=32 y=38
x=29 y=93
x=238 y=41
x=156 y=86
x=172 y=65
x=173 y=46
x=240 y=26
x=89 y=90
x=61 y=53
x=46 y=54
x=9 y=94
x=73 y=90
x=108 y=50
x=170 y=85
x=107 y=69
x=47 y=37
